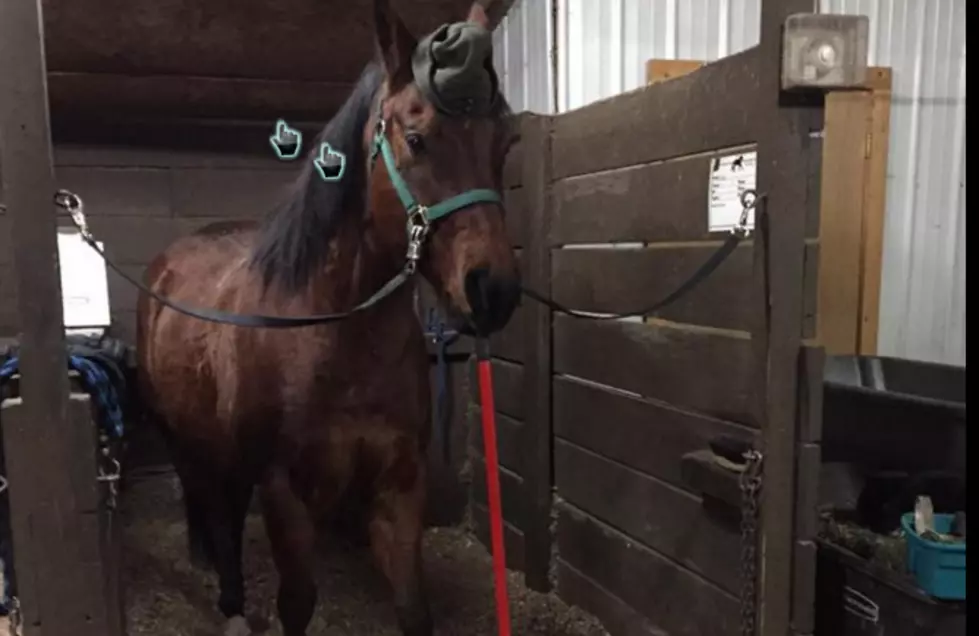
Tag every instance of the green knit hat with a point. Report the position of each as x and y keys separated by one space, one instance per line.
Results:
x=454 y=68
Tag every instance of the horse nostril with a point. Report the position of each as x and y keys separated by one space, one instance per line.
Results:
x=478 y=290
x=491 y=299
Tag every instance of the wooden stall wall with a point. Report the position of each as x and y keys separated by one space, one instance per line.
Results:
x=609 y=416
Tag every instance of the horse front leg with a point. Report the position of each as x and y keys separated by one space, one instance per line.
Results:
x=396 y=527
x=292 y=536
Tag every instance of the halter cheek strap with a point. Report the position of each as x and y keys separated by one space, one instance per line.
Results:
x=428 y=214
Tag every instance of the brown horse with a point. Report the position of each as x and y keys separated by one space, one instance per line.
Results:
x=304 y=413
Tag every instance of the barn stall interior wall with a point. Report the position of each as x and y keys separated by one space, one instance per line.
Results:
x=594 y=49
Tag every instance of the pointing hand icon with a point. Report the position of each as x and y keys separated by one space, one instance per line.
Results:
x=286 y=141
x=331 y=163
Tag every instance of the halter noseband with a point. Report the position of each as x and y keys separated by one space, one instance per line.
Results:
x=420 y=217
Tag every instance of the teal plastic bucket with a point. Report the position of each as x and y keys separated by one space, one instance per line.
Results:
x=938 y=568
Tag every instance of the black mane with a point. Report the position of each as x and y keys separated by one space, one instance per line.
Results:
x=290 y=243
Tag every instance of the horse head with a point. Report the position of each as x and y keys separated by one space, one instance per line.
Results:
x=438 y=141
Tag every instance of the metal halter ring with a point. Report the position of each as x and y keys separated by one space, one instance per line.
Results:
x=749 y=199
x=76 y=208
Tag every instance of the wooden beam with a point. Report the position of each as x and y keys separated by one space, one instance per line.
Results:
x=537 y=430
x=96 y=96
x=852 y=206
x=55 y=583
x=840 y=219
x=874 y=209
x=662 y=70
x=783 y=137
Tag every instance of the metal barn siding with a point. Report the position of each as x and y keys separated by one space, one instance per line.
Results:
x=922 y=304
x=522 y=45
x=603 y=45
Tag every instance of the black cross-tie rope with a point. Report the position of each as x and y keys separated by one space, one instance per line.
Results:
x=72 y=203
x=749 y=200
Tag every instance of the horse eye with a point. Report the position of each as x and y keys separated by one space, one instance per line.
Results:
x=415 y=142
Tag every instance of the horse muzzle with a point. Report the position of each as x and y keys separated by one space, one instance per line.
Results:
x=492 y=300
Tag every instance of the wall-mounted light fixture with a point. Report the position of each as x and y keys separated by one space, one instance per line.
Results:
x=824 y=51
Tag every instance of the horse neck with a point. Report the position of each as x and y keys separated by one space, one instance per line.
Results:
x=361 y=262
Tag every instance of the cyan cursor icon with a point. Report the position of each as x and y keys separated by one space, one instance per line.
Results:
x=330 y=163
x=286 y=141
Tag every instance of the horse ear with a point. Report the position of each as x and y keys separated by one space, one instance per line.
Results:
x=477 y=15
x=395 y=43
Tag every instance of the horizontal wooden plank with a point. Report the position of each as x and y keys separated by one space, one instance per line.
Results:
x=682 y=116
x=119 y=191
x=674 y=599
x=643 y=434
x=93 y=94
x=615 y=615
x=513 y=539
x=666 y=201
x=668 y=520
x=698 y=370
x=507 y=388
x=508 y=443
x=104 y=155
x=231 y=193
x=136 y=240
x=180 y=37
x=248 y=140
x=511 y=493
x=624 y=280
x=122 y=293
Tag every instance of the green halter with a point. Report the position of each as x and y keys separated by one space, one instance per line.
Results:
x=421 y=216
x=412 y=207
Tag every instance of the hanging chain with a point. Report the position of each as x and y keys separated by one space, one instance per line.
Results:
x=109 y=472
x=750 y=483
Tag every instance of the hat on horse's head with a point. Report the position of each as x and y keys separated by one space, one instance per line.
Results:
x=454 y=68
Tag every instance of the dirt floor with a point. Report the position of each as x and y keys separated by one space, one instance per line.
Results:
x=167 y=597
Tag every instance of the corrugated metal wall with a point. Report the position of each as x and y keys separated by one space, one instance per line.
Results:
x=603 y=45
x=522 y=46
x=922 y=312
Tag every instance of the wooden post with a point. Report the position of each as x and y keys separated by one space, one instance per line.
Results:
x=851 y=225
x=55 y=585
x=874 y=208
x=783 y=138
x=537 y=429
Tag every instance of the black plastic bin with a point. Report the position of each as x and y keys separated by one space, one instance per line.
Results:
x=893 y=414
x=857 y=598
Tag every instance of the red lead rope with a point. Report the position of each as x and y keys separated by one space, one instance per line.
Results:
x=493 y=488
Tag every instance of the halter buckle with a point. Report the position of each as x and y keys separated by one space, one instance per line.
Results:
x=417 y=233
